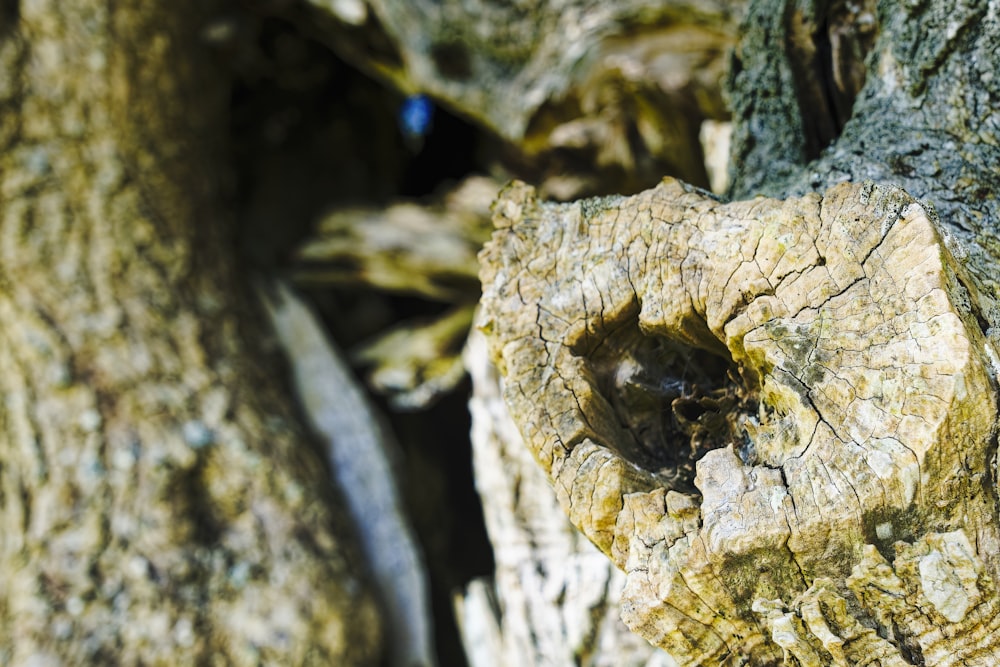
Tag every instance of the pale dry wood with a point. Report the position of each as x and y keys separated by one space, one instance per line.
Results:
x=362 y=456
x=424 y=248
x=859 y=410
x=558 y=598
x=415 y=363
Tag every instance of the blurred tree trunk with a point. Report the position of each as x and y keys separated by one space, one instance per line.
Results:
x=159 y=503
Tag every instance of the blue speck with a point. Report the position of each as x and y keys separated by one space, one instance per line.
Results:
x=197 y=435
x=416 y=116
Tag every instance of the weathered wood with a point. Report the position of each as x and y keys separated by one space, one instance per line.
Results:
x=779 y=415
x=427 y=249
x=859 y=405
x=558 y=599
x=423 y=248
x=141 y=525
x=415 y=363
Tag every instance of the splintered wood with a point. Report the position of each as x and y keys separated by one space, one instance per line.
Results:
x=852 y=448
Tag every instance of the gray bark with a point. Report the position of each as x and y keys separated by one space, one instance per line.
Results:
x=925 y=119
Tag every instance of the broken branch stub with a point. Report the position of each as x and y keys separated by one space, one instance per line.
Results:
x=740 y=402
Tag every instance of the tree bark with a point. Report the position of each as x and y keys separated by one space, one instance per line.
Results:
x=558 y=599
x=779 y=416
x=160 y=504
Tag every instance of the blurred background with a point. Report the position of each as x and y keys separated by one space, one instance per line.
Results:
x=370 y=139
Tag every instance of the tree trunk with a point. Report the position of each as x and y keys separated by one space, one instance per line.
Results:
x=779 y=416
x=160 y=505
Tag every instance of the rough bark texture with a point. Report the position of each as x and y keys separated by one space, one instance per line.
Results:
x=159 y=505
x=734 y=399
x=558 y=598
x=779 y=416
x=926 y=119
